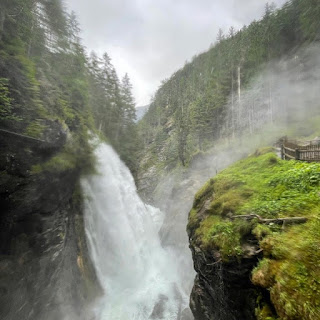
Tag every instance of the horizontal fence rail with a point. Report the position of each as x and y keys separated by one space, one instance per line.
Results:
x=304 y=151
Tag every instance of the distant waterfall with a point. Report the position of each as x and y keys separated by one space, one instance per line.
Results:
x=138 y=276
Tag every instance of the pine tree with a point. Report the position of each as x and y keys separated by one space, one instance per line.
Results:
x=128 y=101
x=220 y=35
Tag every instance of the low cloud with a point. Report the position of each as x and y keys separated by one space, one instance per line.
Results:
x=152 y=39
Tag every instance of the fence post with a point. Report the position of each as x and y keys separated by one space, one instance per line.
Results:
x=297 y=154
x=282 y=153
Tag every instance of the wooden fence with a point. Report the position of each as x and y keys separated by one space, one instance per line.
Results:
x=304 y=151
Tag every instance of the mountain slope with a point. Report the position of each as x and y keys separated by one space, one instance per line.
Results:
x=140 y=111
x=248 y=80
x=53 y=100
x=253 y=87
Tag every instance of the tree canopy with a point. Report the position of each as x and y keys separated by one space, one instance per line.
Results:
x=45 y=74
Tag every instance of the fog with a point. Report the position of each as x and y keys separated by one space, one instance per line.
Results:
x=284 y=99
x=152 y=39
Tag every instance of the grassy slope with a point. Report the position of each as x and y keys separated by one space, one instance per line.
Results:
x=190 y=113
x=270 y=187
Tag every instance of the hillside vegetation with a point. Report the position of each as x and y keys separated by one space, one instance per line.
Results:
x=249 y=79
x=46 y=76
x=288 y=254
x=54 y=101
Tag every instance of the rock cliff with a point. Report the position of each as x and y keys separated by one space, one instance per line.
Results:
x=45 y=271
x=252 y=233
x=222 y=290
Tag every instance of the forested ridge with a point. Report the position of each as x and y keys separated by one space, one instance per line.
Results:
x=55 y=101
x=46 y=76
x=255 y=84
x=208 y=100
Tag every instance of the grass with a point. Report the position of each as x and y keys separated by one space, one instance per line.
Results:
x=224 y=235
x=265 y=185
x=290 y=270
x=270 y=187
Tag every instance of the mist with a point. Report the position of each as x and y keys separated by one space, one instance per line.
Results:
x=97 y=231
x=283 y=99
x=284 y=95
x=151 y=40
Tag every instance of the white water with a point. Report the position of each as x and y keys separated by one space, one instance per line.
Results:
x=134 y=270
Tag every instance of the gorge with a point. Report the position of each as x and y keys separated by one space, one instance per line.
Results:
x=171 y=216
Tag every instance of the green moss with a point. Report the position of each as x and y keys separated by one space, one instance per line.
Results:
x=264 y=273
x=35 y=129
x=266 y=185
x=74 y=154
x=203 y=193
x=6 y=112
x=220 y=234
x=224 y=203
x=265 y=313
x=64 y=111
x=262 y=184
x=77 y=196
x=293 y=271
x=261 y=231
x=193 y=220
x=60 y=162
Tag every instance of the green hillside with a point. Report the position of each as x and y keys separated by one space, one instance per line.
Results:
x=234 y=89
x=234 y=218
x=46 y=77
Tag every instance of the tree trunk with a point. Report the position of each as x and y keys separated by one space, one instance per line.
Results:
x=239 y=94
x=232 y=104
x=270 y=101
x=250 y=118
x=200 y=141
x=2 y=21
x=100 y=126
x=285 y=220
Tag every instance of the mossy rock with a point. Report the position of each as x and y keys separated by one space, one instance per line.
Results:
x=265 y=185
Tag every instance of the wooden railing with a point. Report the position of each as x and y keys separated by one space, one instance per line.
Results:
x=304 y=151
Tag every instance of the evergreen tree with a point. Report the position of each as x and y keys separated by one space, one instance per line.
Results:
x=128 y=101
x=220 y=35
x=205 y=85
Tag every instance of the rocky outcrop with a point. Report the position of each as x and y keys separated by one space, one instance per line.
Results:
x=245 y=238
x=45 y=271
x=222 y=290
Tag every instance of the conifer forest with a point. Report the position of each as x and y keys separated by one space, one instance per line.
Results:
x=159 y=160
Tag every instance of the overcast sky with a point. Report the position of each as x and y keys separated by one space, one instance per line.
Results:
x=151 y=39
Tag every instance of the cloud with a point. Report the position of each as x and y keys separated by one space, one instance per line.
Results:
x=150 y=39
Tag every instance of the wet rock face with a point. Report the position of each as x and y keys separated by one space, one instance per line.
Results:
x=54 y=135
x=42 y=241
x=25 y=198
x=222 y=291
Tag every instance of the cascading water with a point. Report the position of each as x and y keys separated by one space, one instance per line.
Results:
x=139 y=276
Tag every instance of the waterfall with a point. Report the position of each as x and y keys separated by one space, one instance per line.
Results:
x=139 y=277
